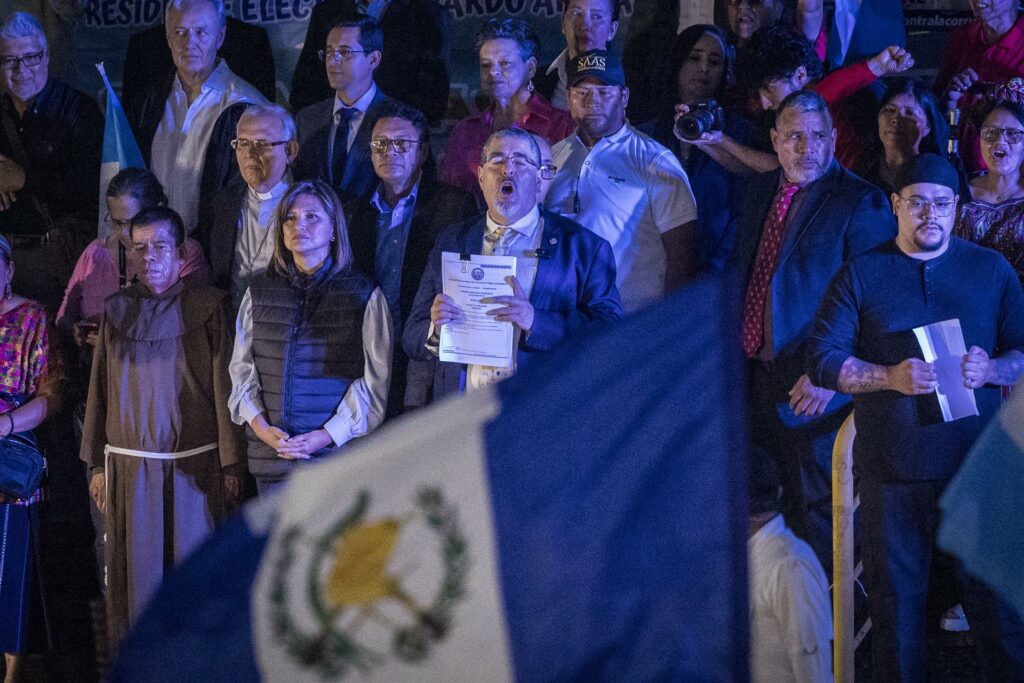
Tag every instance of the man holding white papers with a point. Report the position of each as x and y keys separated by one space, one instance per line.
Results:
x=905 y=452
x=565 y=275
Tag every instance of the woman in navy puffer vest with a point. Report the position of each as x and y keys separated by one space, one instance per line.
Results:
x=312 y=355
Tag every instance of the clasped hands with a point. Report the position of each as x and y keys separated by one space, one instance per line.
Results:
x=298 y=447
x=914 y=376
x=515 y=309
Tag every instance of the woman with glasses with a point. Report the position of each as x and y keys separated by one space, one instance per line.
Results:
x=995 y=215
x=909 y=123
x=508 y=61
x=312 y=357
x=104 y=266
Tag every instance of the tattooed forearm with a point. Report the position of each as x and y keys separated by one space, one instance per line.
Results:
x=858 y=377
x=1008 y=368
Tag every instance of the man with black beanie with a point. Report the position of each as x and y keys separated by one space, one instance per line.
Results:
x=863 y=344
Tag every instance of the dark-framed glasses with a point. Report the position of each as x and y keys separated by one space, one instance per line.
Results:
x=33 y=59
x=256 y=145
x=517 y=161
x=400 y=145
x=1013 y=136
x=342 y=54
x=548 y=171
x=940 y=207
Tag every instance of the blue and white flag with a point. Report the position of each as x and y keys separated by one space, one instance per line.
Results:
x=583 y=520
x=120 y=150
x=983 y=509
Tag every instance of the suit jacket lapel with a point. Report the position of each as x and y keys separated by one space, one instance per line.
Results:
x=550 y=243
x=817 y=195
x=753 y=229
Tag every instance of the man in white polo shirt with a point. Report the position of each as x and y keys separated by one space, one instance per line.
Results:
x=623 y=185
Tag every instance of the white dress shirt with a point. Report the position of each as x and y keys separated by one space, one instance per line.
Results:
x=790 y=615
x=360 y=410
x=181 y=139
x=629 y=189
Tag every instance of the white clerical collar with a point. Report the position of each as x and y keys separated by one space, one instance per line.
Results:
x=381 y=204
x=362 y=104
x=276 y=191
x=525 y=225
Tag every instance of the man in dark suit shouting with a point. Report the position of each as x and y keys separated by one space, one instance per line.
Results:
x=565 y=274
x=798 y=226
x=334 y=135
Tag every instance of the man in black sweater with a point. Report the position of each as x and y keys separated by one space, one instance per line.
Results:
x=863 y=344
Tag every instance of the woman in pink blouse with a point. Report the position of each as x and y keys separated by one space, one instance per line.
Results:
x=101 y=271
x=508 y=62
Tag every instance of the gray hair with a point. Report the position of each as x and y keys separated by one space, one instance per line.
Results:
x=22 y=25
x=805 y=102
x=516 y=134
x=218 y=7
x=276 y=110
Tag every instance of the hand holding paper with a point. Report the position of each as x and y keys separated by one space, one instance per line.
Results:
x=976 y=368
x=517 y=308
x=942 y=344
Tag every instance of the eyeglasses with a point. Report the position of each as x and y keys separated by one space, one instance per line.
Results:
x=548 y=171
x=342 y=54
x=120 y=225
x=991 y=134
x=257 y=146
x=940 y=207
x=751 y=3
x=400 y=145
x=516 y=161
x=11 y=63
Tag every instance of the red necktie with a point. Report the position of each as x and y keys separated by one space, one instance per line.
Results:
x=764 y=269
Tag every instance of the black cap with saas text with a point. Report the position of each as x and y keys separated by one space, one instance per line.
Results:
x=927 y=168
x=600 y=64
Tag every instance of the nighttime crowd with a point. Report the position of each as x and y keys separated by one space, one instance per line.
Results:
x=269 y=286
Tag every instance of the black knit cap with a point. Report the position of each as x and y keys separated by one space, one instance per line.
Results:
x=927 y=168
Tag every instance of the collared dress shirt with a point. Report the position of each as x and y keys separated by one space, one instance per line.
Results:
x=360 y=105
x=520 y=239
x=628 y=189
x=179 y=146
x=360 y=410
x=560 y=95
x=254 y=247
x=790 y=617
x=393 y=224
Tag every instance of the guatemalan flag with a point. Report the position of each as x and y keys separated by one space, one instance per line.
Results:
x=120 y=150
x=583 y=520
x=983 y=509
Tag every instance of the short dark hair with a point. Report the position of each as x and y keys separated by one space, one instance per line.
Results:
x=397 y=110
x=1011 y=108
x=371 y=37
x=140 y=185
x=680 y=51
x=806 y=102
x=614 y=5
x=510 y=29
x=773 y=53
x=517 y=133
x=160 y=214
x=763 y=481
x=935 y=141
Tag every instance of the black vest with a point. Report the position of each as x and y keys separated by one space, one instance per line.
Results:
x=307 y=344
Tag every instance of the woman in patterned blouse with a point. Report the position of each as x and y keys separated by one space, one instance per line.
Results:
x=28 y=379
x=994 y=218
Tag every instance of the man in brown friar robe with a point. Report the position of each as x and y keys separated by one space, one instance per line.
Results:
x=165 y=458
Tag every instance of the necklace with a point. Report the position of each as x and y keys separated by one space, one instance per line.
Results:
x=254 y=258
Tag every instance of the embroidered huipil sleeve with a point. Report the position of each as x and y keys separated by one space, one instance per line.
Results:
x=362 y=408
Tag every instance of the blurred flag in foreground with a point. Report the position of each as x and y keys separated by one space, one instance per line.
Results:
x=983 y=509
x=584 y=520
x=120 y=150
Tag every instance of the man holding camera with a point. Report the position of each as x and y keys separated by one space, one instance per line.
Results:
x=798 y=226
x=623 y=185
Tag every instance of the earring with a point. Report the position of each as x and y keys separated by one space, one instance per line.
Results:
x=333 y=238
x=529 y=86
x=7 y=291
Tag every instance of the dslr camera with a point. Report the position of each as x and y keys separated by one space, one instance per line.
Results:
x=702 y=118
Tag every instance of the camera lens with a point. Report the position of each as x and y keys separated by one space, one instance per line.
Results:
x=694 y=124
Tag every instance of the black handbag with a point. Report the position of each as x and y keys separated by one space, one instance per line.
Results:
x=21 y=466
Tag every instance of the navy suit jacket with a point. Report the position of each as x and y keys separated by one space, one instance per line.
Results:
x=840 y=216
x=574 y=287
x=314 y=129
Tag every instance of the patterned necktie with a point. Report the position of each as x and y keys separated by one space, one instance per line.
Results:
x=764 y=269
x=494 y=238
x=339 y=144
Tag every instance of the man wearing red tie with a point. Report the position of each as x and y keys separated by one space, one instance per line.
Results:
x=798 y=226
